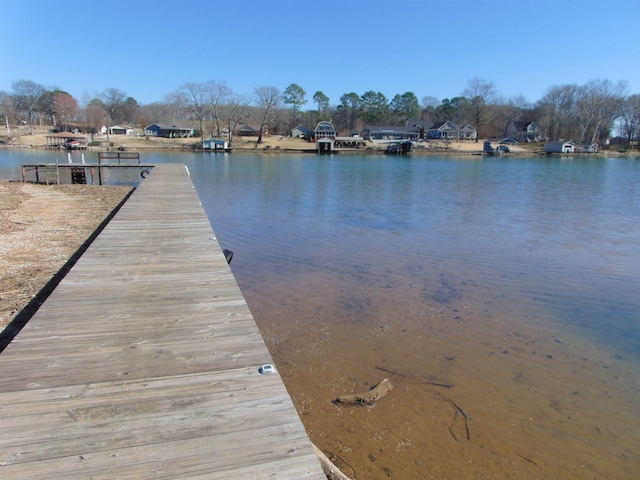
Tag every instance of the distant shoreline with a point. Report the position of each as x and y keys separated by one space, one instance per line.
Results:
x=287 y=145
x=312 y=151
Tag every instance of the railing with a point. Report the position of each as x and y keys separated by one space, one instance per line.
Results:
x=105 y=157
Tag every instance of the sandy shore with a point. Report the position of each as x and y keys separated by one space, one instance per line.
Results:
x=273 y=143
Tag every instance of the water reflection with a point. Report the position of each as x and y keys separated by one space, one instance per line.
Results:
x=562 y=234
x=554 y=235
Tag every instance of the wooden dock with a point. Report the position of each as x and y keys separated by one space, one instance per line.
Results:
x=143 y=363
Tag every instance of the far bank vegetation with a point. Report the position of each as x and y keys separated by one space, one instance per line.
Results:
x=598 y=111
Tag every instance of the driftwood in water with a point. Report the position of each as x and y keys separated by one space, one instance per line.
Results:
x=369 y=398
x=455 y=417
x=330 y=470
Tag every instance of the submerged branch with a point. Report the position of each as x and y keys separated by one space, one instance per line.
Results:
x=368 y=398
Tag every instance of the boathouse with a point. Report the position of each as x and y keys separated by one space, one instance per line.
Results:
x=350 y=142
x=588 y=148
x=66 y=140
x=325 y=146
x=559 y=147
x=215 y=144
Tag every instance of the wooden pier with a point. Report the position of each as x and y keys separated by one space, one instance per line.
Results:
x=50 y=172
x=143 y=362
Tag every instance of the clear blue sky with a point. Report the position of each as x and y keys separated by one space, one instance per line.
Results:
x=150 y=48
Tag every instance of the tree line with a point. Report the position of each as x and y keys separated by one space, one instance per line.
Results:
x=583 y=113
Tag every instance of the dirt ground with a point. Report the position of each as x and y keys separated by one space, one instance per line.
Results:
x=41 y=227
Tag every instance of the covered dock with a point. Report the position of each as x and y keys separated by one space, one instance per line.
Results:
x=66 y=140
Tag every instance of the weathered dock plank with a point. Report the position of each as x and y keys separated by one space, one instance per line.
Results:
x=143 y=363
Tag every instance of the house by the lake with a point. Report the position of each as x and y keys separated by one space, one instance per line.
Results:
x=448 y=131
x=251 y=131
x=524 y=132
x=422 y=125
x=390 y=132
x=301 y=132
x=467 y=133
x=324 y=129
x=169 y=131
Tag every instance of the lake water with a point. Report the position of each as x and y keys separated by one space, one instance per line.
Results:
x=504 y=288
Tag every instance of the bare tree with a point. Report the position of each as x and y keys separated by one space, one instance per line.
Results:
x=267 y=99
x=26 y=95
x=113 y=99
x=196 y=101
x=428 y=105
x=509 y=110
x=7 y=110
x=480 y=93
x=129 y=111
x=218 y=93
x=45 y=105
x=176 y=107
x=95 y=117
x=600 y=102
x=429 y=101
x=630 y=119
x=235 y=112
x=558 y=106
x=65 y=107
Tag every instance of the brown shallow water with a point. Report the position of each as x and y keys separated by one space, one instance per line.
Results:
x=504 y=290
x=540 y=402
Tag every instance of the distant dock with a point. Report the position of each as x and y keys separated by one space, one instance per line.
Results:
x=143 y=362
x=85 y=172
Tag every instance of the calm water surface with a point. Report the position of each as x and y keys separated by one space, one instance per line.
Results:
x=555 y=235
x=353 y=263
x=559 y=236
